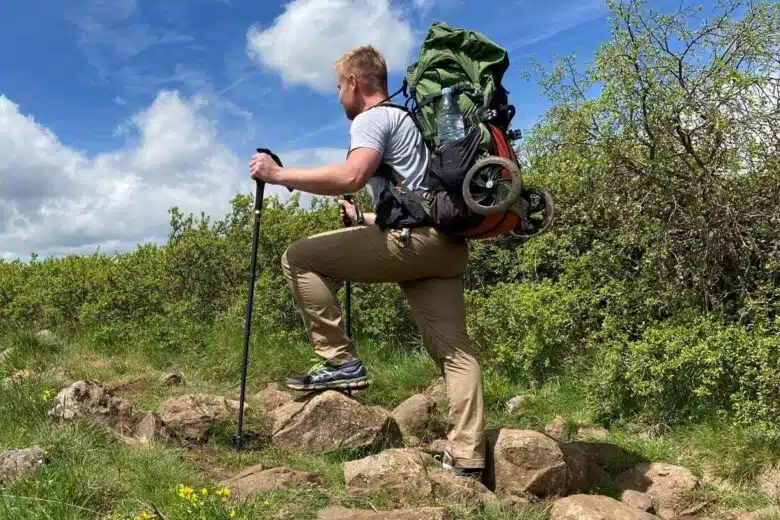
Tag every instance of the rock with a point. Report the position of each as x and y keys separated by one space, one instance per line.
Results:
x=595 y=507
x=513 y=503
x=414 y=413
x=272 y=397
x=437 y=446
x=401 y=472
x=592 y=432
x=768 y=513
x=16 y=464
x=329 y=421
x=192 y=416
x=517 y=403
x=663 y=483
x=583 y=472
x=609 y=456
x=16 y=379
x=411 y=441
x=460 y=490
x=151 y=428
x=520 y=461
x=638 y=500
x=556 y=429
x=438 y=391
x=422 y=513
x=171 y=379
x=91 y=402
x=263 y=479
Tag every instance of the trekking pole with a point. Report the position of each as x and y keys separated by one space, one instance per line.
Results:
x=258 y=209
x=347 y=284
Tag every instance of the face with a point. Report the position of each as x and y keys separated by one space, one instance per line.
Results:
x=348 y=95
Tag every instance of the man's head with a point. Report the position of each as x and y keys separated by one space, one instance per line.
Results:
x=361 y=79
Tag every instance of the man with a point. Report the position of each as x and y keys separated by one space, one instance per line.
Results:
x=427 y=265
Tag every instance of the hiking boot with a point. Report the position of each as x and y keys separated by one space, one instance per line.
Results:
x=475 y=473
x=349 y=376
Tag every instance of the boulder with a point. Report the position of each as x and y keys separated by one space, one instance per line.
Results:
x=414 y=413
x=459 y=490
x=422 y=513
x=327 y=421
x=272 y=397
x=583 y=472
x=264 y=479
x=595 y=507
x=638 y=500
x=192 y=416
x=16 y=464
x=520 y=461
x=151 y=428
x=91 y=402
x=400 y=472
x=517 y=403
x=664 y=483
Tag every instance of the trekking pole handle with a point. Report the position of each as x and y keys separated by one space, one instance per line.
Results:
x=351 y=199
x=275 y=158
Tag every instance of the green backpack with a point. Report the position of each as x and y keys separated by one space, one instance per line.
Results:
x=472 y=65
x=473 y=186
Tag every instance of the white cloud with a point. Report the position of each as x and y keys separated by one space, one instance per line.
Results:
x=56 y=200
x=308 y=38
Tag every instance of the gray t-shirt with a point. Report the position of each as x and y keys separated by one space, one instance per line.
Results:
x=392 y=133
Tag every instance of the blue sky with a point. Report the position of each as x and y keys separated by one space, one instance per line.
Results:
x=113 y=111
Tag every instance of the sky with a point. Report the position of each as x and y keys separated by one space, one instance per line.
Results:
x=113 y=111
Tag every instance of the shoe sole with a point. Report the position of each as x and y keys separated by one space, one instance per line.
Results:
x=355 y=384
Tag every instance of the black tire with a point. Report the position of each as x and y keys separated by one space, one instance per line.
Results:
x=531 y=228
x=495 y=190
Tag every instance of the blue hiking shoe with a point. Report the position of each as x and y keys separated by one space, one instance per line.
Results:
x=349 y=376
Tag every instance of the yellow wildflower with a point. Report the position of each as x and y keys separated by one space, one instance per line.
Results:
x=232 y=513
x=223 y=493
x=185 y=492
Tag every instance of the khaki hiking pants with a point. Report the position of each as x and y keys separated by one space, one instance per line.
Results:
x=429 y=269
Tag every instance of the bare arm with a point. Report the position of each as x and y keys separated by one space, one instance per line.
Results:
x=335 y=179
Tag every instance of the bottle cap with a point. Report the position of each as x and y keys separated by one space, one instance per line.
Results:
x=446 y=90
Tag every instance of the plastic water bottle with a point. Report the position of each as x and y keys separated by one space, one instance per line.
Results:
x=449 y=120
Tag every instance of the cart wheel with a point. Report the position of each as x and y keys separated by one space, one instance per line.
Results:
x=486 y=191
x=538 y=211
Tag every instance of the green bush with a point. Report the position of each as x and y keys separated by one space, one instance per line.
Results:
x=529 y=331
x=689 y=370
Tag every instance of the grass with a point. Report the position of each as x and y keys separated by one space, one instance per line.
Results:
x=91 y=476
